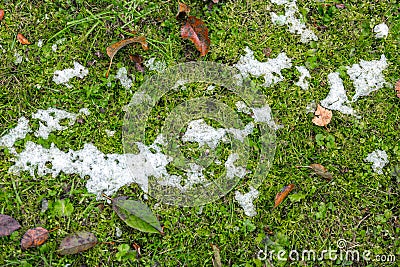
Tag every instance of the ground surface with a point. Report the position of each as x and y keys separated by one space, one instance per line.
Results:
x=358 y=205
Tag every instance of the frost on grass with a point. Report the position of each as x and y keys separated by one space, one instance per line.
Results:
x=63 y=76
x=246 y=201
x=337 y=98
x=379 y=159
x=18 y=58
x=302 y=83
x=367 y=76
x=292 y=21
x=152 y=64
x=16 y=133
x=122 y=76
x=50 y=121
x=247 y=64
x=381 y=30
x=264 y=114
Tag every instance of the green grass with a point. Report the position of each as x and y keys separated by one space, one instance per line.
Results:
x=358 y=205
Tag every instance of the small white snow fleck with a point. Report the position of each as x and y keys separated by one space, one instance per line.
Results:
x=246 y=201
x=249 y=65
x=367 y=76
x=122 y=76
x=50 y=121
x=16 y=133
x=63 y=76
x=18 y=58
x=84 y=111
x=381 y=30
x=152 y=64
x=242 y=107
x=263 y=114
x=379 y=159
x=109 y=133
x=40 y=43
x=54 y=47
x=210 y=87
x=337 y=99
x=310 y=108
x=302 y=83
x=118 y=232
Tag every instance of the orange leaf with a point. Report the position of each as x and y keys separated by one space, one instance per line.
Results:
x=197 y=32
x=22 y=39
x=397 y=88
x=322 y=116
x=283 y=194
x=321 y=171
x=114 y=48
x=34 y=237
x=1 y=14
x=183 y=11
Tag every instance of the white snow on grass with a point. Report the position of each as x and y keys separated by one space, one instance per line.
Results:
x=199 y=131
x=242 y=107
x=381 y=30
x=152 y=64
x=110 y=133
x=367 y=76
x=379 y=159
x=18 y=58
x=40 y=43
x=16 y=133
x=247 y=64
x=122 y=76
x=54 y=47
x=264 y=114
x=303 y=83
x=246 y=201
x=292 y=21
x=232 y=170
x=63 y=76
x=337 y=98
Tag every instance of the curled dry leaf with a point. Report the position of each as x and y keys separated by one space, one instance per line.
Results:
x=8 y=225
x=114 y=48
x=195 y=30
x=321 y=171
x=1 y=14
x=137 y=248
x=77 y=242
x=183 y=11
x=397 y=88
x=22 y=39
x=322 y=117
x=138 y=60
x=283 y=194
x=34 y=237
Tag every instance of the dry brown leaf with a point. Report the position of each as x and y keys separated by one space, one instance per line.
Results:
x=137 y=248
x=138 y=60
x=22 y=39
x=217 y=257
x=183 y=11
x=114 y=48
x=1 y=14
x=77 y=242
x=397 y=88
x=195 y=30
x=8 y=225
x=34 y=237
x=321 y=171
x=322 y=117
x=283 y=194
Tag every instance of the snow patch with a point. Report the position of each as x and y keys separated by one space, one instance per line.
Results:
x=302 y=83
x=232 y=170
x=381 y=30
x=294 y=24
x=63 y=76
x=249 y=65
x=311 y=107
x=379 y=159
x=122 y=76
x=264 y=114
x=152 y=64
x=16 y=133
x=18 y=58
x=246 y=201
x=367 y=76
x=242 y=107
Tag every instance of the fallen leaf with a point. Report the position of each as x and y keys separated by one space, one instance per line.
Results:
x=138 y=60
x=114 y=48
x=22 y=39
x=217 y=257
x=137 y=215
x=267 y=51
x=322 y=117
x=397 y=88
x=283 y=194
x=321 y=171
x=183 y=11
x=34 y=237
x=1 y=14
x=137 y=248
x=77 y=242
x=8 y=225
x=195 y=30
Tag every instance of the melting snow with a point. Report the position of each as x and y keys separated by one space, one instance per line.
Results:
x=302 y=83
x=246 y=201
x=310 y=108
x=367 y=76
x=122 y=76
x=110 y=133
x=63 y=76
x=381 y=30
x=19 y=132
x=40 y=43
x=337 y=98
x=379 y=159
x=152 y=64
x=18 y=58
x=249 y=65
x=263 y=114
x=54 y=47
x=231 y=169
x=242 y=107
x=294 y=24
